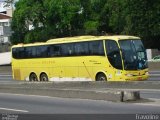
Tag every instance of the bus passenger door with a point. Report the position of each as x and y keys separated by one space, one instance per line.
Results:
x=114 y=59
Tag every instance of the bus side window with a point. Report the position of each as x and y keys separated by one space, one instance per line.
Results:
x=30 y=52
x=21 y=53
x=113 y=54
x=81 y=48
x=67 y=49
x=96 y=48
x=42 y=51
x=55 y=50
x=34 y=52
x=15 y=53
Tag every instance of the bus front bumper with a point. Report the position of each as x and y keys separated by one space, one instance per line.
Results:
x=136 y=78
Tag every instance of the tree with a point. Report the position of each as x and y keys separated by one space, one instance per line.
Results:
x=92 y=11
x=60 y=18
x=102 y=11
x=27 y=12
x=63 y=16
x=132 y=17
x=143 y=20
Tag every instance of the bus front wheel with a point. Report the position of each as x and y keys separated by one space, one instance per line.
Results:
x=43 y=77
x=33 y=77
x=101 y=77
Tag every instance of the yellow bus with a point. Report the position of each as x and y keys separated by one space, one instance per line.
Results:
x=81 y=58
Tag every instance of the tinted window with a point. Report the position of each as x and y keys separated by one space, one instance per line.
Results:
x=96 y=48
x=30 y=52
x=113 y=54
x=81 y=48
x=134 y=54
x=42 y=51
x=18 y=52
x=68 y=49
x=14 y=53
x=55 y=50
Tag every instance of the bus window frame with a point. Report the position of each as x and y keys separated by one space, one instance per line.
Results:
x=60 y=54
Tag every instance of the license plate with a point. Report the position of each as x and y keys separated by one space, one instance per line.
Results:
x=139 y=78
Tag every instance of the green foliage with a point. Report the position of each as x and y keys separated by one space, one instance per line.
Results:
x=62 y=16
x=36 y=36
x=27 y=11
x=59 y=18
x=91 y=27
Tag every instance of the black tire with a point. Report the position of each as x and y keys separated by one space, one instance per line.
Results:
x=101 y=77
x=43 y=77
x=33 y=77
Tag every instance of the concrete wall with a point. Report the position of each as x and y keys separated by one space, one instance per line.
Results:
x=152 y=53
x=5 y=58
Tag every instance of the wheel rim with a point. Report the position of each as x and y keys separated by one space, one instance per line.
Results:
x=44 y=77
x=101 y=77
x=33 y=77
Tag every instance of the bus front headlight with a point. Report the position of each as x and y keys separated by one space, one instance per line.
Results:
x=147 y=73
x=129 y=75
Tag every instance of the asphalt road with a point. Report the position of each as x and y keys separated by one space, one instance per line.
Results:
x=10 y=103
x=7 y=77
x=146 y=94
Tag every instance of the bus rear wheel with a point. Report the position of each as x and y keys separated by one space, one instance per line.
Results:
x=33 y=77
x=43 y=77
x=101 y=77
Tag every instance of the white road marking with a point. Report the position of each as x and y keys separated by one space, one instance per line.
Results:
x=148 y=104
x=154 y=102
x=13 y=94
x=15 y=110
x=5 y=75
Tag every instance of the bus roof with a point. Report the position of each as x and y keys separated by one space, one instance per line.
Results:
x=90 y=38
x=78 y=39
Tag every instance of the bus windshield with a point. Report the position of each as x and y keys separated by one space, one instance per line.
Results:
x=133 y=54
